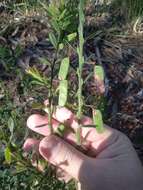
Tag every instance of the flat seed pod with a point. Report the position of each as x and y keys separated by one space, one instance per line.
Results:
x=98 y=71
x=98 y=121
x=63 y=91
x=64 y=68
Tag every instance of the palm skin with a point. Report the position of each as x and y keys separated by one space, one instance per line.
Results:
x=109 y=161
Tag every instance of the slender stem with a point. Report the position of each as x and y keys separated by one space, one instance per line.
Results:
x=51 y=90
x=79 y=97
x=80 y=68
x=81 y=57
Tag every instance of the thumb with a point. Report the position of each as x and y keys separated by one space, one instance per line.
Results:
x=63 y=155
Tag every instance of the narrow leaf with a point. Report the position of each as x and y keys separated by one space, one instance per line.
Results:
x=36 y=82
x=64 y=68
x=20 y=169
x=7 y=154
x=55 y=26
x=98 y=121
x=53 y=40
x=33 y=71
x=72 y=37
x=61 y=46
x=11 y=126
x=63 y=91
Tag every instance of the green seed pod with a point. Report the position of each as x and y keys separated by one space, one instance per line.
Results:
x=63 y=91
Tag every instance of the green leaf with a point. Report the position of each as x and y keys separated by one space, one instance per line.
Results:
x=53 y=40
x=98 y=121
x=35 y=82
x=71 y=37
x=62 y=15
x=7 y=154
x=63 y=91
x=98 y=71
x=55 y=26
x=36 y=75
x=61 y=46
x=61 y=127
x=64 y=68
x=11 y=126
x=20 y=169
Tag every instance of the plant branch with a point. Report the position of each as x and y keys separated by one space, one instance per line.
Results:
x=51 y=89
x=80 y=68
x=80 y=57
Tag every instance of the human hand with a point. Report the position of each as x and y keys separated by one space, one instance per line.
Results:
x=109 y=163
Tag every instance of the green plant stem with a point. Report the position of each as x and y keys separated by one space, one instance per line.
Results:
x=80 y=57
x=80 y=68
x=80 y=103
x=51 y=90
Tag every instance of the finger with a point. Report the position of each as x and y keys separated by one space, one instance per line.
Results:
x=31 y=143
x=64 y=115
x=86 y=120
x=92 y=135
x=63 y=155
x=38 y=120
x=92 y=139
x=35 y=122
